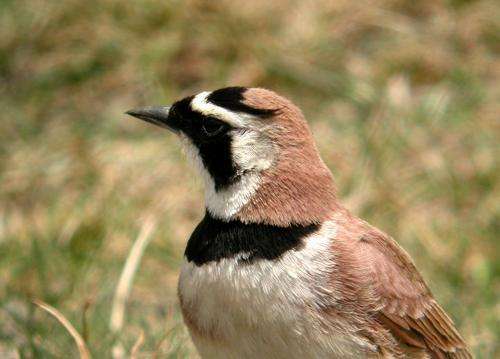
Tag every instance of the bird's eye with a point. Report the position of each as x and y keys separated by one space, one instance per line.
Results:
x=212 y=127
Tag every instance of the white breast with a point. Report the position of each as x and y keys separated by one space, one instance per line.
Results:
x=267 y=309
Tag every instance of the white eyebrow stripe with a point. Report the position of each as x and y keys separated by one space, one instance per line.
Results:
x=200 y=104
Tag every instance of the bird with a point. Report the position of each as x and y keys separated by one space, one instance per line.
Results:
x=278 y=267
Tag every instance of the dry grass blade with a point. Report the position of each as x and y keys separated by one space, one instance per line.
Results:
x=125 y=282
x=137 y=345
x=127 y=276
x=159 y=349
x=168 y=330
x=80 y=343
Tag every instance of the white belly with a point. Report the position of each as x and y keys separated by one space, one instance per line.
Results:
x=266 y=309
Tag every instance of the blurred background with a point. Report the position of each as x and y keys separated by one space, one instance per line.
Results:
x=402 y=97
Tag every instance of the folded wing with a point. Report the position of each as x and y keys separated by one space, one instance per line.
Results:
x=407 y=307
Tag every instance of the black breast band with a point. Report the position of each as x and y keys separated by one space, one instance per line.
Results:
x=215 y=239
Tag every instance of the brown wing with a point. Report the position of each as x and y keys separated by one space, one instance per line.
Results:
x=407 y=308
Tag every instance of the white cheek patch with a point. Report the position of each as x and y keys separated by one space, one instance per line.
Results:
x=200 y=104
x=251 y=151
x=224 y=203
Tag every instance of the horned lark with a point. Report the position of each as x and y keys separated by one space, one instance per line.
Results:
x=278 y=268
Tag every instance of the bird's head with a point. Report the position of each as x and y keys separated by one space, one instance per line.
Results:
x=255 y=152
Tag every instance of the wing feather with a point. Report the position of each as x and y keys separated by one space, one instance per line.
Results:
x=407 y=307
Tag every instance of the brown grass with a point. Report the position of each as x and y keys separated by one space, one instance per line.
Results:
x=80 y=343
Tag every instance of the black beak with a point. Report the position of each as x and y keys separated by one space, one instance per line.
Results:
x=157 y=115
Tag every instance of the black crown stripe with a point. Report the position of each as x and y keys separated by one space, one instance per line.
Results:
x=232 y=98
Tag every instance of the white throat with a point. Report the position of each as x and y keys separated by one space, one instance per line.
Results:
x=223 y=203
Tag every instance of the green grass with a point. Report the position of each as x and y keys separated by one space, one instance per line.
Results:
x=402 y=98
